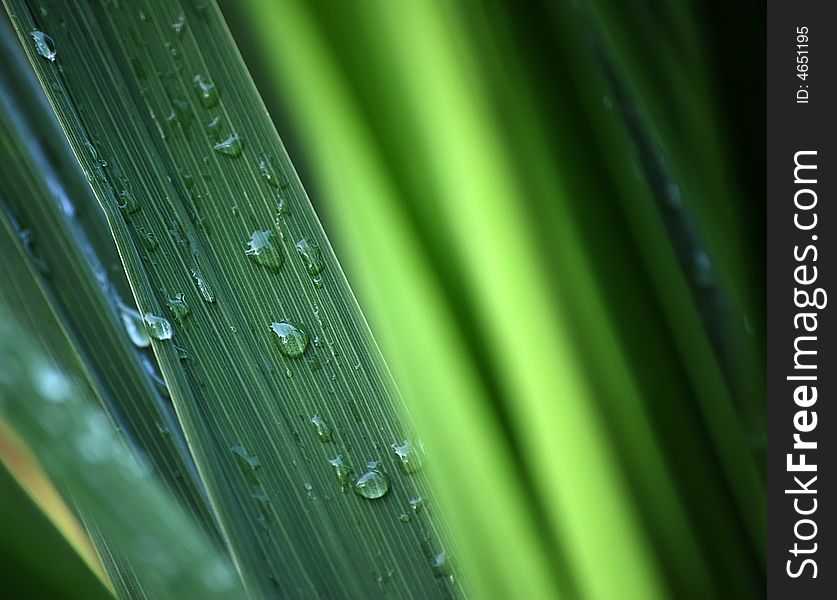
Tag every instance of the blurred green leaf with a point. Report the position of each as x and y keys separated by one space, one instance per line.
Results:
x=44 y=564
x=82 y=453
x=520 y=245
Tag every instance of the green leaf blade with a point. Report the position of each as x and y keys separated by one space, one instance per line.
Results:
x=228 y=379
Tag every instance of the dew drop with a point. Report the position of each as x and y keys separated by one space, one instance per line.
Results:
x=158 y=327
x=178 y=306
x=232 y=146
x=268 y=172
x=404 y=517
x=182 y=111
x=94 y=155
x=281 y=209
x=44 y=45
x=262 y=250
x=132 y=321
x=147 y=238
x=177 y=233
x=310 y=253
x=372 y=484
x=440 y=565
x=264 y=508
x=203 y=285
x=410 y=459
x=248 y=463
x=322 y=428
x=206 y=90
x=341 y=470
x=417 y=503
x=172 y=51
x=384 y=578
x=182 y=353
x=179 y=24
x=251 y=461
x=292 y=340
x=127 y=202
x=213 y=128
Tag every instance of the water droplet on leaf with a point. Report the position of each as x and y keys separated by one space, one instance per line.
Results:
x=248 y=463
x=264 y=508
x=179 y=24
x=385 y=578
x=311 y=255
x=410 y=459
x=262 y=250
x=178 y=307
x=213 y=128
x=206 y=90
x=268 y=172
x=440 y=565
x=372 y=484
x=292 y=340
x=281 y=209
x=147 y=238
x=158 y=327
x=417 y=503
x=322 y=428
x=44 y=45
x=203 y=285
x=232 y=146
x=341 y=470
x=127 y=202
